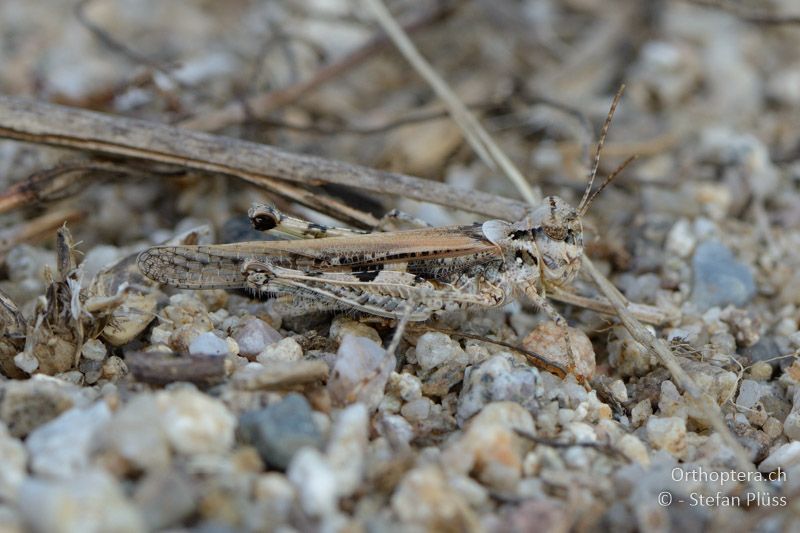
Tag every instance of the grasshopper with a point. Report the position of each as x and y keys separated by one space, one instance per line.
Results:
x=408 y=275
x=433 y=270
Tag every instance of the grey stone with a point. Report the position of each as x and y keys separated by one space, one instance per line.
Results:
x=497 y=379
x=165 y=499
x=253 y=336
x=208 y=344
x=136 y=435
x=765 y=349
x=279 y=430
x=719 y=279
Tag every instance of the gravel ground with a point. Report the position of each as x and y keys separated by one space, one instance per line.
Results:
x=177 y=410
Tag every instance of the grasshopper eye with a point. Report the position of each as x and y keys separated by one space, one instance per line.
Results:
x=570 y=239
x=263 y=222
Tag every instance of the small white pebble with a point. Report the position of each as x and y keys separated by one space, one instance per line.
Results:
x=26 y=362
x=618 y=390
x=416 y=410
x=208 y=344
x=160 y=334
x=94 y=350
x=286 y=349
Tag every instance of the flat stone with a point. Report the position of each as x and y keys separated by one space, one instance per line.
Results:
x=279 y=430
x=343 y=326
x=434 y=349
x=280 y=374
x=719 y=279
x=547 y=339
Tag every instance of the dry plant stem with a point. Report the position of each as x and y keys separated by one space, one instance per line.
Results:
x=261 y=105
x=709 y=408
x=645 y=313
x=263 y=165
x=749 y=15
x=37 y=228
x=478 y=138
x=51 y=184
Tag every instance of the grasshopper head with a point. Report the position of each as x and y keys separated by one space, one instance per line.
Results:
x=545 y=245
x=558 y=234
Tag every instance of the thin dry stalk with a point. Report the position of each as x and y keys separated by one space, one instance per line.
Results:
x=636 y=329
x=476 y=135
x=37 y=228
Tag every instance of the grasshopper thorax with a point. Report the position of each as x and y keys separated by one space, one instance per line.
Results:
x=546 y=245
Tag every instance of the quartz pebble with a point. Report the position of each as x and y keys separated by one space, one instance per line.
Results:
x=79 y=426
x=315 y=482
x=208 y=344
x=667 y=433
x=426 y=499
x=347 y=447
x=90 y=501
x=194 y=422
x=253 y=335
x=94 y=350
x=360 y=373
x=287 y=350
x=342 y=326
x=279 y=430
x=434 y=349
x=490 y=447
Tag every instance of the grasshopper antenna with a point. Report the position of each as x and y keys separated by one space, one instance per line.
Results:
x=585 y=206
x=600 y=143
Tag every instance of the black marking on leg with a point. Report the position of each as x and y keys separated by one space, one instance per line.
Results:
x=366 y=275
